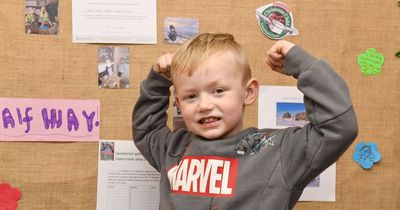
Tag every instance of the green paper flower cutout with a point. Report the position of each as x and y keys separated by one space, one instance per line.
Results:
x=370 y=62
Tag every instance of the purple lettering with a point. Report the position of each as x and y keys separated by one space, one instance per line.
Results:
x=52 y=121
x=7 y=118
x=27 y=119
x=72 y=120
x=19 y=116
x=89 y=120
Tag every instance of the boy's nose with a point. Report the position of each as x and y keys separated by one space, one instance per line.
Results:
x=204 y=104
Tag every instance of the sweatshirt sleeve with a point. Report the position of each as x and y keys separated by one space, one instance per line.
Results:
x=307 y=151
x=150 y=130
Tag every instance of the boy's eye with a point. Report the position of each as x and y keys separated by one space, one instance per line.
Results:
x=190 y=97
x=218 y=90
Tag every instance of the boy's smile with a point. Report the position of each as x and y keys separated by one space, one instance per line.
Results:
x=209 y=121
x=212 y=99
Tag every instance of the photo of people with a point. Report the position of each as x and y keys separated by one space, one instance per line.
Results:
x=291 y=114
x=178 y=30
x=41 y=17
x=107 y=151
x=113 y=67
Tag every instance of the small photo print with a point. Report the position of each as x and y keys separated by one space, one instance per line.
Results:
x=291 y=114
x=177 y=121
x=179 y=30
x=107 y=150
x=113 y=67
x=41 y=17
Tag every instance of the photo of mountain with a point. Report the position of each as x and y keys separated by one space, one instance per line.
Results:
x=291 y=114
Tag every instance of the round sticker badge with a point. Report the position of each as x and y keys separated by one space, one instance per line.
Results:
x=276 y=20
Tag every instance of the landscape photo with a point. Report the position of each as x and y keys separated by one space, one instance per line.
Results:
x=290 y=114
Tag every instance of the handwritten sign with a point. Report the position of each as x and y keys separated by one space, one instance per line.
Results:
x=24 y=119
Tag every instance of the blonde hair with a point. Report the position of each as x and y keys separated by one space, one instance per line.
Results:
x=193 y=52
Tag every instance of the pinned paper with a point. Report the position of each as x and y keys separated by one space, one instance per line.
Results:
x=370 y=62
x=27 y=119
x=367 y=154
x=9 y=197
x=276 y=20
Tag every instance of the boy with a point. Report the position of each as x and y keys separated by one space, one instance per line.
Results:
x=217 y=163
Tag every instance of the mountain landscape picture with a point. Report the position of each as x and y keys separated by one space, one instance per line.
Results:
x=291 y=114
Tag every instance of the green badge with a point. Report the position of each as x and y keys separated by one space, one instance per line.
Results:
x=370 y=62
x=276 y=20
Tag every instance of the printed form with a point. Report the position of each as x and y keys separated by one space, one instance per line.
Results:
x=116 y=21
x=125 y=180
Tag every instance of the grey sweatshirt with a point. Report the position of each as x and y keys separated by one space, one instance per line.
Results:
x=255 y=169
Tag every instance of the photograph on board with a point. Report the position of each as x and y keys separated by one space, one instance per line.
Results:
x=107 y=150
x=113 y=67
x=177 y=119
x=41 y=17
x=178 y=30
x=291 y=114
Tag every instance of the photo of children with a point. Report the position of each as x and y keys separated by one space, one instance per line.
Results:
x=41 y=17
x=107 y=151
x=113 y=67
x=178 y=30
x=291 y=114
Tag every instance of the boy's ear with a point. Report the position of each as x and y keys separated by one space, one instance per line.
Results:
x=177 y=102
x=251 y=93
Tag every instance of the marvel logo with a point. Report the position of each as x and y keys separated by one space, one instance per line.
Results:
x=204 y=176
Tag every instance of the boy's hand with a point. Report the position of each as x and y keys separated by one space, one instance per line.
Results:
x=163 y=65
x=276 y=55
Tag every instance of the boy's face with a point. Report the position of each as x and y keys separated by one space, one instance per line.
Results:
x=212 y=99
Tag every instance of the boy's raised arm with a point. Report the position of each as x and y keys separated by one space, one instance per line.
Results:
x=333 y=125
x=150 y=130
